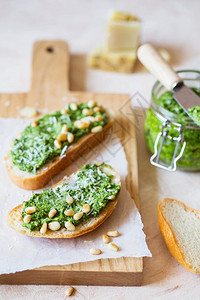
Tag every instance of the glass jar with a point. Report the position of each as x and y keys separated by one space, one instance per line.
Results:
x=174 y=139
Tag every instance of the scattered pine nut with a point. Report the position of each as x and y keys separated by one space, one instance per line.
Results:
x=69 y=212
x=43 y=229
x=86 y=208
x=69 y=291
x=62 y=137
x=54 y=226
x=81 y=124
x=98 y=118
x=70 y=137
x=64 y=129
x=30 y=210
x=97 y=109
x=52 y=213
x=87 y=112
x=69 y=199
x=58 y=144
x=113 y=233
x=78 y=216
x=96 y=129
x=64 y=111
x=113 y=247
x=95 y=251
x=106 y=238
x=28 y=112
x=91 y=103
x=34 y=123
x=73 y=106
x=70 y=226
x=27 y=219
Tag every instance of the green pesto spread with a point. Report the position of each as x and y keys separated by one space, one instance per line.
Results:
x=191 y=156
x=35 y=146
x=90 y=186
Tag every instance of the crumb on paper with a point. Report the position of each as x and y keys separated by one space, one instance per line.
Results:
x=28 y=112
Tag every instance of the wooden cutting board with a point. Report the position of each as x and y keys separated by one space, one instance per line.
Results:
x=50 y=90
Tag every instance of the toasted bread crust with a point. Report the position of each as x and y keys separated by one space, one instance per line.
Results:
x=58 y=164
x=14 y=220
x=169 y=236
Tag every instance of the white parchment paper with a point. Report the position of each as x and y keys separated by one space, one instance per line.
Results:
x=19 y=252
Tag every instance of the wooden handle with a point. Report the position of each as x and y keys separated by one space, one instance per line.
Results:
x=152 y=60
x=50 y=69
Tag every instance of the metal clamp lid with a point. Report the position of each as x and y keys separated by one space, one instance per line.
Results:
x=155 y=158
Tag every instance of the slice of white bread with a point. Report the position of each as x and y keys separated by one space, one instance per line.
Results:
x=29 y=181
x=14 y=219
x=180 y=228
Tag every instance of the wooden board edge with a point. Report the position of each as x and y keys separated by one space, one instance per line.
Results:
x=52 y=277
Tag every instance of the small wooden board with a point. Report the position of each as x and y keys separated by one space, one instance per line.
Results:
x=50 y=90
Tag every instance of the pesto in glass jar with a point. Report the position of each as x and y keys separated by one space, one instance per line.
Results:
x=164 y=107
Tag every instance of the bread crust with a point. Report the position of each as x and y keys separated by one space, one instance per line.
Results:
x=58 y=164
x=169 y=236
x=14 y=220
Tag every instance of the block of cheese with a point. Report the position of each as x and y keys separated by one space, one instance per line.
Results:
x=122 y=32
x=117 y=61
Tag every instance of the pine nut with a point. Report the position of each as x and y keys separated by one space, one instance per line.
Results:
x=52 y=213
x=70 y=137
x=88 y=119
x=113 y=233
x=64 y=129
x=86 y=208
x=96 y=129
x=30 y=210
x=97 y=109
x=87 y=112
x=54 y=226
x=91 y=103
x=27 y=219
x=106 y=238
x=95 y=251
x=64 y=111
x=58 y=144
x=113 y=247
x=34 y=124
x=28 y=112
x=69 y=291
x=62 y=137
x=73 y=106
x=82 y=124
x=69 y=212
x=43 y=229
x=70 y=226
x=98 y=118
x=78 y=216
x=69 y=199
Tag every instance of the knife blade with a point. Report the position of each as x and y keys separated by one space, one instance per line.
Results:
x=183 y=95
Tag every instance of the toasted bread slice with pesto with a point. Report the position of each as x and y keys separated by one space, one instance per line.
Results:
x=180 y=228
x=48 y=145
x=75 y=206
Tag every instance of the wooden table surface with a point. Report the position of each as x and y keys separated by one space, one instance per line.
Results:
x=32 y=20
